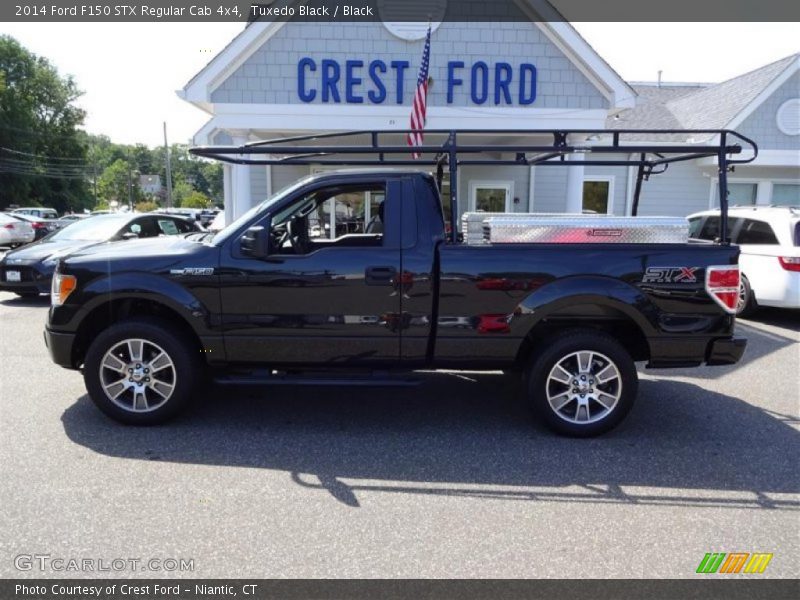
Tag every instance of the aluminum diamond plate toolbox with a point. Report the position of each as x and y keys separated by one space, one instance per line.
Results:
x=584 y=229
x=472 y=222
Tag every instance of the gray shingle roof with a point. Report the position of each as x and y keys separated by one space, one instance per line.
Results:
x=651 y=111
x=716 y=106
x=697 y=107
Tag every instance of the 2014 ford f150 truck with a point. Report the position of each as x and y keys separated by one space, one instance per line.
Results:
x=276 y=297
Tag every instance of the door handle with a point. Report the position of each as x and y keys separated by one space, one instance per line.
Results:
x=379 y=275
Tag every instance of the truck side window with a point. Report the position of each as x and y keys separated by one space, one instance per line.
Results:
x=339 y=216
x=348 y=212
x=694 y=227
x=756 y=232
x=710 y=230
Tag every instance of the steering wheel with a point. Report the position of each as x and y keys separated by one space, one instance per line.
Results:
x=296 y=234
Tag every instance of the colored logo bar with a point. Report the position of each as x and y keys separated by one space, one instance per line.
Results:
x=734 y=562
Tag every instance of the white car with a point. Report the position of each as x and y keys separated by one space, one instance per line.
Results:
x=769 y=238
x=218 y=224
x=14 y=232
x=36 y=211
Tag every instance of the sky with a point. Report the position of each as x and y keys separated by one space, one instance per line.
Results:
x=129 y=71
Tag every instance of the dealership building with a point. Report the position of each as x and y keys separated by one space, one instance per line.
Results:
x=279 y=79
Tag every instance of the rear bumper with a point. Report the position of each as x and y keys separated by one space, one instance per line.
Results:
x=726 y=351
x=60 y=347
x=691 y=351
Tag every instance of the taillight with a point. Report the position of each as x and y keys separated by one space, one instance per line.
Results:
x=790 y=263
x=722 y=284
x=36 y=225
x=9 y=226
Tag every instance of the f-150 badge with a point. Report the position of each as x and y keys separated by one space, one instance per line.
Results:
x=193 y=271
x=670 y=275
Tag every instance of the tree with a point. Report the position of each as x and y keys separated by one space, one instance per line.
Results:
x=43 y=157
x=196 y=200
x=119 y=183
x=146 y=206
x=180 y=190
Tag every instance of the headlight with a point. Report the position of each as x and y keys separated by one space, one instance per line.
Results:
x=62 y=287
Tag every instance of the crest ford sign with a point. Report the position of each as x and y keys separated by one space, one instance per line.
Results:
x=358 y=81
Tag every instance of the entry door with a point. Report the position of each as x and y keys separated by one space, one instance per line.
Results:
x=336 y=305
x=490 y=196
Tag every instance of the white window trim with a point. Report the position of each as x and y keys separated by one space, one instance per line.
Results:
x=764 y=188
x=602 y=178
x=474 y=184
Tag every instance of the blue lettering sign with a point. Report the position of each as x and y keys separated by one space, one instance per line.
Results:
x=352 y=81
x=374 y=67
x=305 y=96
x=527 y=90
x=503 y=74
x=452 y=81
x=330 y=81
x=373 y=88
x=479 y=96
x=400 y=66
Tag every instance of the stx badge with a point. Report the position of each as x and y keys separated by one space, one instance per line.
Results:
x=670 y=275
x=193 y=271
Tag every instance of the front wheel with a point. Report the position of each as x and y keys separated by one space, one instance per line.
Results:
x=582 y=383
x=140 y=371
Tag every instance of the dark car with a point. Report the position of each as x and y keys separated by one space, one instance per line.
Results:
x=41 y=226
x=29 y=270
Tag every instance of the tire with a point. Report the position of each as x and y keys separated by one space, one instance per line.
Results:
x=560 y=405
x=158 y=388
x=746 y=305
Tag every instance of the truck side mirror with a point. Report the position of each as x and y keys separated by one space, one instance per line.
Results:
x=255 y=242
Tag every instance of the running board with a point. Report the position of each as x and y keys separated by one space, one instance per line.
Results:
x=264 y=378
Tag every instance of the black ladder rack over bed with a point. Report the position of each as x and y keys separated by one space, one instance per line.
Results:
x=599 y=147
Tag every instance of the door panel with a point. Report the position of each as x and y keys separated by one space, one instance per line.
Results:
x=335 y=306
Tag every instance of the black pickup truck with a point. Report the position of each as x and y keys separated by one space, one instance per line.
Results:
x=267 y=300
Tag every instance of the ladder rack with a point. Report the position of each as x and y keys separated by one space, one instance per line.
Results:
x=597 y=147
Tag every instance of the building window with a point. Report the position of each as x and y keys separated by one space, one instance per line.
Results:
x=597 y=195
x=739 y=194
x=786 y=194
x=490 y=196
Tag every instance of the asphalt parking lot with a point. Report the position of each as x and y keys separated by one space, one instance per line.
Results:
x=452 y=479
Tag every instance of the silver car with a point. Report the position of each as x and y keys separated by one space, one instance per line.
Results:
x=15 y=232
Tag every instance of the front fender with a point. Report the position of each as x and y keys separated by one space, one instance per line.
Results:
x=133 y=286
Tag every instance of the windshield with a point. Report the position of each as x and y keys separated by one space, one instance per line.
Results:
x=229 y=230
x=93 y=229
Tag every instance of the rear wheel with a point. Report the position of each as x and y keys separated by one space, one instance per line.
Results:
x=582 y=384
x=141 y=371
x=746 y=304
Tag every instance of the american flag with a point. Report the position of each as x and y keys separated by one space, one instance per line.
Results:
x=416 y=137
